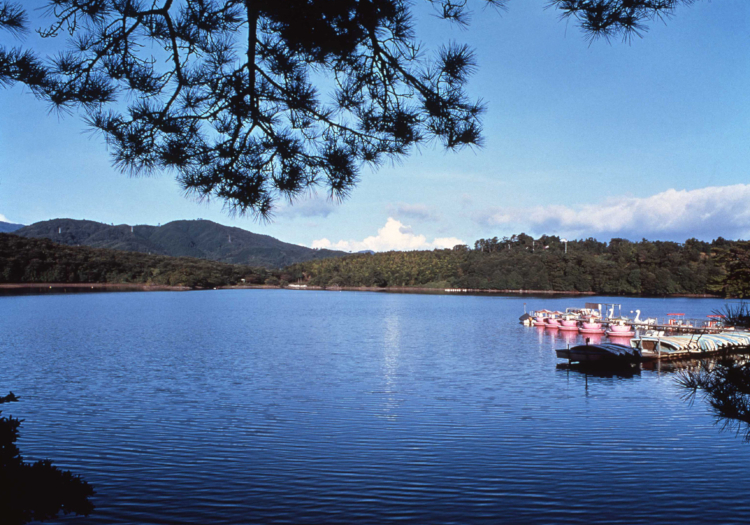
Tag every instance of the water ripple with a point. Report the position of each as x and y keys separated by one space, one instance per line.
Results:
x=233 y=407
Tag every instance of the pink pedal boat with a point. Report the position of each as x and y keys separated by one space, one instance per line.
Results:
x=569 y=323
x=553 y=320
x=591 y=326
x=618 y=328
x=540 y=316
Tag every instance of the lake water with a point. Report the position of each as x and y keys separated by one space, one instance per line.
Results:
x=275 y=406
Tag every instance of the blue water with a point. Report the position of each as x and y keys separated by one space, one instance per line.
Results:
x=274 y=406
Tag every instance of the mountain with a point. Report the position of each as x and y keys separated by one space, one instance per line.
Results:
x=27 y=260
x=198 y=238
x=8 y=227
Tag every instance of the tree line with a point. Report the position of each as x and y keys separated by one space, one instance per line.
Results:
x=548 y=263
x=519 y=262
x=28 y=260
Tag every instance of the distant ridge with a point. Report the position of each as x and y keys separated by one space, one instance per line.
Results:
x=8 y=227
x=185 y=238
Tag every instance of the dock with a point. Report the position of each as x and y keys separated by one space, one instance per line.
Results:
x=695 y=346
x=671 y=338
x=606 y=315
x=651 y=348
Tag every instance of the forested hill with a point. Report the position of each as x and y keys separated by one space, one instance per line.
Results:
x=522 y=263
x=199 y=238
x=7 y=227
x=519 y=263
x=25 y=260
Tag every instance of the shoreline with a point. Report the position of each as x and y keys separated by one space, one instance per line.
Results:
x=7 y=289
x=40 y=288
x=437 y=291
x=478 y=291
x=82 y=287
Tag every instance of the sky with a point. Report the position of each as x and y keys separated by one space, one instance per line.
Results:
x=646 y=139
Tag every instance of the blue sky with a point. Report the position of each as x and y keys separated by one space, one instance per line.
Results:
x=647 y=139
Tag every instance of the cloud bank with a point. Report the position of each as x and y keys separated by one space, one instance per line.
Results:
x=3 y=218
x=393 y=236
x=704 y=213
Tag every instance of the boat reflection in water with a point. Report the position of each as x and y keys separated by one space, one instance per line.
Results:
x=593 y=339
x=620 y=339
x=599 y=372
x=567 y=336
x=569 y=323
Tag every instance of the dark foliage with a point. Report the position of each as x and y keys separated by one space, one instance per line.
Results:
x=522 y=263
x=609 y=18
x=737 y=315
x=201 y=239
x=726 y=387
x=515 y=263
x=734 y=259
x=13 y=18
x=227 y=93
x=40 y=260
x=9 y=398
x=35 y=491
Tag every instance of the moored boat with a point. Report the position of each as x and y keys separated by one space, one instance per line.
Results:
x=569 y=322
x=591 y=325
x=540 y=316
x=620 y=328
x=553 y=320
x=658 y=345
x=605 y=354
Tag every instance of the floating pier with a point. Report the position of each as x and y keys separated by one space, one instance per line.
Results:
x=649 y=348
x=657 y=347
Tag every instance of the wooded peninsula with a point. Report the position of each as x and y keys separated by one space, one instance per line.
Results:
x=519 y=262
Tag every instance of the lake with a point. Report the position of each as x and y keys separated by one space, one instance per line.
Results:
x=280 y=406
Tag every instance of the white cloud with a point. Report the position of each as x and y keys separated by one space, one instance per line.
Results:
x=671 y=215
x=393 y=236
x=3 y=218
x=311 y=207
x=420 y=212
